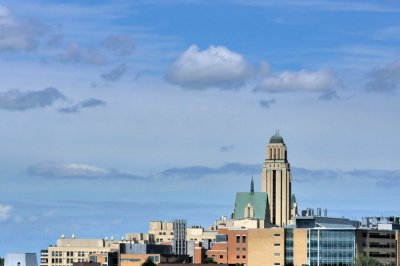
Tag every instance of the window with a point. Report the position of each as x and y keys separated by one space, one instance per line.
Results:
x=244 y=249
x=237 y=249
x=237 y=239
x=277 y=245
x=276 y=235
x=221 y=256
x=238 y=257
x=243 y=256
x=244 y=239
x=277 y=254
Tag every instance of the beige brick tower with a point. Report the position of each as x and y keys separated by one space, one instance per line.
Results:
x=276 y=180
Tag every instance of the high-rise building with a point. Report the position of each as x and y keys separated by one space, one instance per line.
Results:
x=277 y=182
x=179 y=241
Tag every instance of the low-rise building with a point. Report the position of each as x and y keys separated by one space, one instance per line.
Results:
x=230 y=246
x=68 y=251
x=382 y=245
x=163 y=232
x=312 y=241
x=20 y=259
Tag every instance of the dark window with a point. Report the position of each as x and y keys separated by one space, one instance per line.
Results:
x=237 y=239
x=244 y=239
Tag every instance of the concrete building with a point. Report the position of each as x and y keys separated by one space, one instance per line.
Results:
x=163 y=232
x=20 y=259
x=382 y=245
x=140 y=238
x=276 y=181
x=68 y=251
x=179 y=240
x=199 y=234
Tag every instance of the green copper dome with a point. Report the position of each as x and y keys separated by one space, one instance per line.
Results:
x=276 y=139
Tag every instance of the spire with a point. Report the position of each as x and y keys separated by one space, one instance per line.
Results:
x=252 y=186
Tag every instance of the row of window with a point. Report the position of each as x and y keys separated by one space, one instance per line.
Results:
x=237 y=256
x=78 y=253
x=238 y=237
x=58 y=260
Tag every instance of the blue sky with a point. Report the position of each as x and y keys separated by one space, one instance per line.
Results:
x=115 y=113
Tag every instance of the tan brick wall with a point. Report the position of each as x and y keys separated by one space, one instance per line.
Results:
x=299 y=246
x=266 y=247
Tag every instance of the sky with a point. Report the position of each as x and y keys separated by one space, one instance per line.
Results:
x=115 y=113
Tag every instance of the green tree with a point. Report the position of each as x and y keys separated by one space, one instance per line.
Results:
x=149 y=262
x=363 y=260
x=1 y=262
x=209 y=261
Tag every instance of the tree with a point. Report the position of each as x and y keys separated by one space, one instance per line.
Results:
x=363 y=260
x=209 y=261
x=1 y=262
x=149 y=262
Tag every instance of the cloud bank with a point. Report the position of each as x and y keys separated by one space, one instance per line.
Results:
x=303 y=80
x=16 y=100
x=116 y=73
x=196 y=172
x=76 y=171
x=81 y=105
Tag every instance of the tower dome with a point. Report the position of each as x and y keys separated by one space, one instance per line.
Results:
x=276 y=139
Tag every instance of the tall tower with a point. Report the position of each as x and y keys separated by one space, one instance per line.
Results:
x=276 y=180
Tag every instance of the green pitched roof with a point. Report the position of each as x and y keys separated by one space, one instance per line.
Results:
x=259 y=201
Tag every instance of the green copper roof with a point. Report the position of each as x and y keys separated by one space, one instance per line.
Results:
x=258 y=200
x=276 y=139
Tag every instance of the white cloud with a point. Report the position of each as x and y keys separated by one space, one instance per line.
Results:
x=302 y=80
x=215 y=67
x=17 y=34
x=4 y=212
x=75 y=170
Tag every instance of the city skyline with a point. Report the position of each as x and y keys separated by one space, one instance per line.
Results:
x=118 y=113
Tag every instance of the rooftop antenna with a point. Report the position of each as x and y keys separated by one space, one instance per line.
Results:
x=277 y=132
